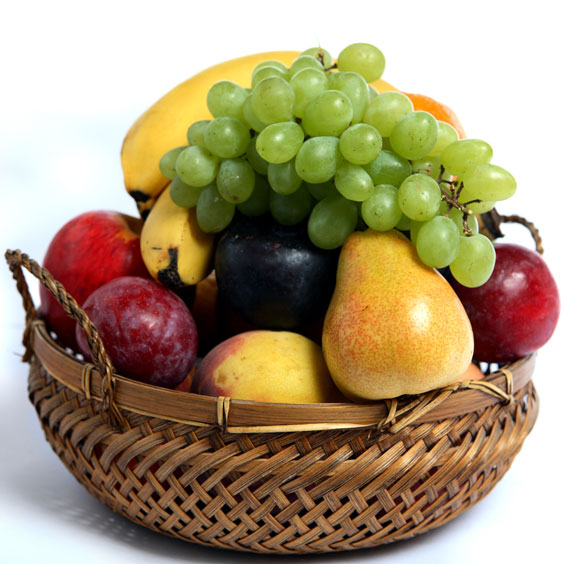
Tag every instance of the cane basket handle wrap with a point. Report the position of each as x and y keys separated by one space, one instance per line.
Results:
x=16 y=260
x=491 y=222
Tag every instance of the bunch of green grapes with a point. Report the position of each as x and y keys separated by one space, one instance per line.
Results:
x=442 y=205
x=315 y=141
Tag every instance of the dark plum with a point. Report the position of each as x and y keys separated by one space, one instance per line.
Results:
x=272 y=276
x=147 y=330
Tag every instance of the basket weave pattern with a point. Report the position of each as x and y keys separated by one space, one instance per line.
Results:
x=311 y=491
x=278 y=492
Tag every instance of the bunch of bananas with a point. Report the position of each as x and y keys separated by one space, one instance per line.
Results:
x=174 y=248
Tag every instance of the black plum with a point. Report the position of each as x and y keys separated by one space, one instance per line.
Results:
x=272 y=276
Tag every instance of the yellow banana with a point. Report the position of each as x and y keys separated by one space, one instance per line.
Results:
x=146 y=205
x=383 y=86
x=174 y=249
x=164 y=125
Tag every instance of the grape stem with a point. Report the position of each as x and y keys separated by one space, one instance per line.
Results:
x=452 y=195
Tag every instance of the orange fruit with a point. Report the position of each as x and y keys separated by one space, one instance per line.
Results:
x=426 y=104
x=438 y=110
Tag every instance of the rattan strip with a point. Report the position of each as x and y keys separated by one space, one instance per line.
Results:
x=238 y=416
x=18 y=260
x=320 y=491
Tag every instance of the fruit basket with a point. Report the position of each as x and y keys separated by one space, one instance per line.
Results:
x=270 y=478
x=317 y=267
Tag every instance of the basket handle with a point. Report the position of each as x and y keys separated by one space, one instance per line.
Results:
x=16 y=260
x=492 y=221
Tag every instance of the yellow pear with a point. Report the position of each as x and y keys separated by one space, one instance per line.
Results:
x=394 y=325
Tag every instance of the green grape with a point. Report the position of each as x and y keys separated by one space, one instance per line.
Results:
x=267 y=71
x=438 y=241
x=388 y=168
x=353 y=182
x=372 y=93
x=404 y=224
x=225 y=98
x=280 y=142
x=474 y=262
x=271 y=63
x=488 y=182
x=273 y=100
x=167 y=163
x=235 y=180
x=292 y=208
x=184 y=195
x=196 y=166
x=227 y=137
x=431 y=166
x=212 y=211
x=460 y=156
x=321 y=55
x=414 y=135
x=363 y=58
x=385 y=110
x=355 y=87
x=458 y=217
x=414 y=228
x=444 y=208
x=322 y=190
x=196 y=132
x=258 y=202
x=481 y=207
x=255 y=160
x=307 y=85
x=381 y=211
x=331 y=221
x=305 y=62
x=317 y=158
x=250 y=117
x=328 y=114
x=447 y=136
x=283 y=177
x=419 y=197
x=360 y=143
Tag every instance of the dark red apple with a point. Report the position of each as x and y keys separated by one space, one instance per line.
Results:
x=147 y=330
x=88 y=251
x=515 y=312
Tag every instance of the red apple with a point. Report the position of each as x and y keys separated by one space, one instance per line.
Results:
x=88 y=251
x=147 y=330
x=515 y=312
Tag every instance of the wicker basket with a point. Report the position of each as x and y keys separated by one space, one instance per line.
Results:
x=271 y=478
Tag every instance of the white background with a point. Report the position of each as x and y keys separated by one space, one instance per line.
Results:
x=75 y=77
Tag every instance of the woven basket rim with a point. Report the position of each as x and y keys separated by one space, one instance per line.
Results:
x=244 y=416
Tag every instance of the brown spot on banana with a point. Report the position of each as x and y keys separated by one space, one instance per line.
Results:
x=175 y=250
x=169 y=275
x=139 y=196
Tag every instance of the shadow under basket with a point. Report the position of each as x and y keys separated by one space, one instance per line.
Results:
x=271 y=478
